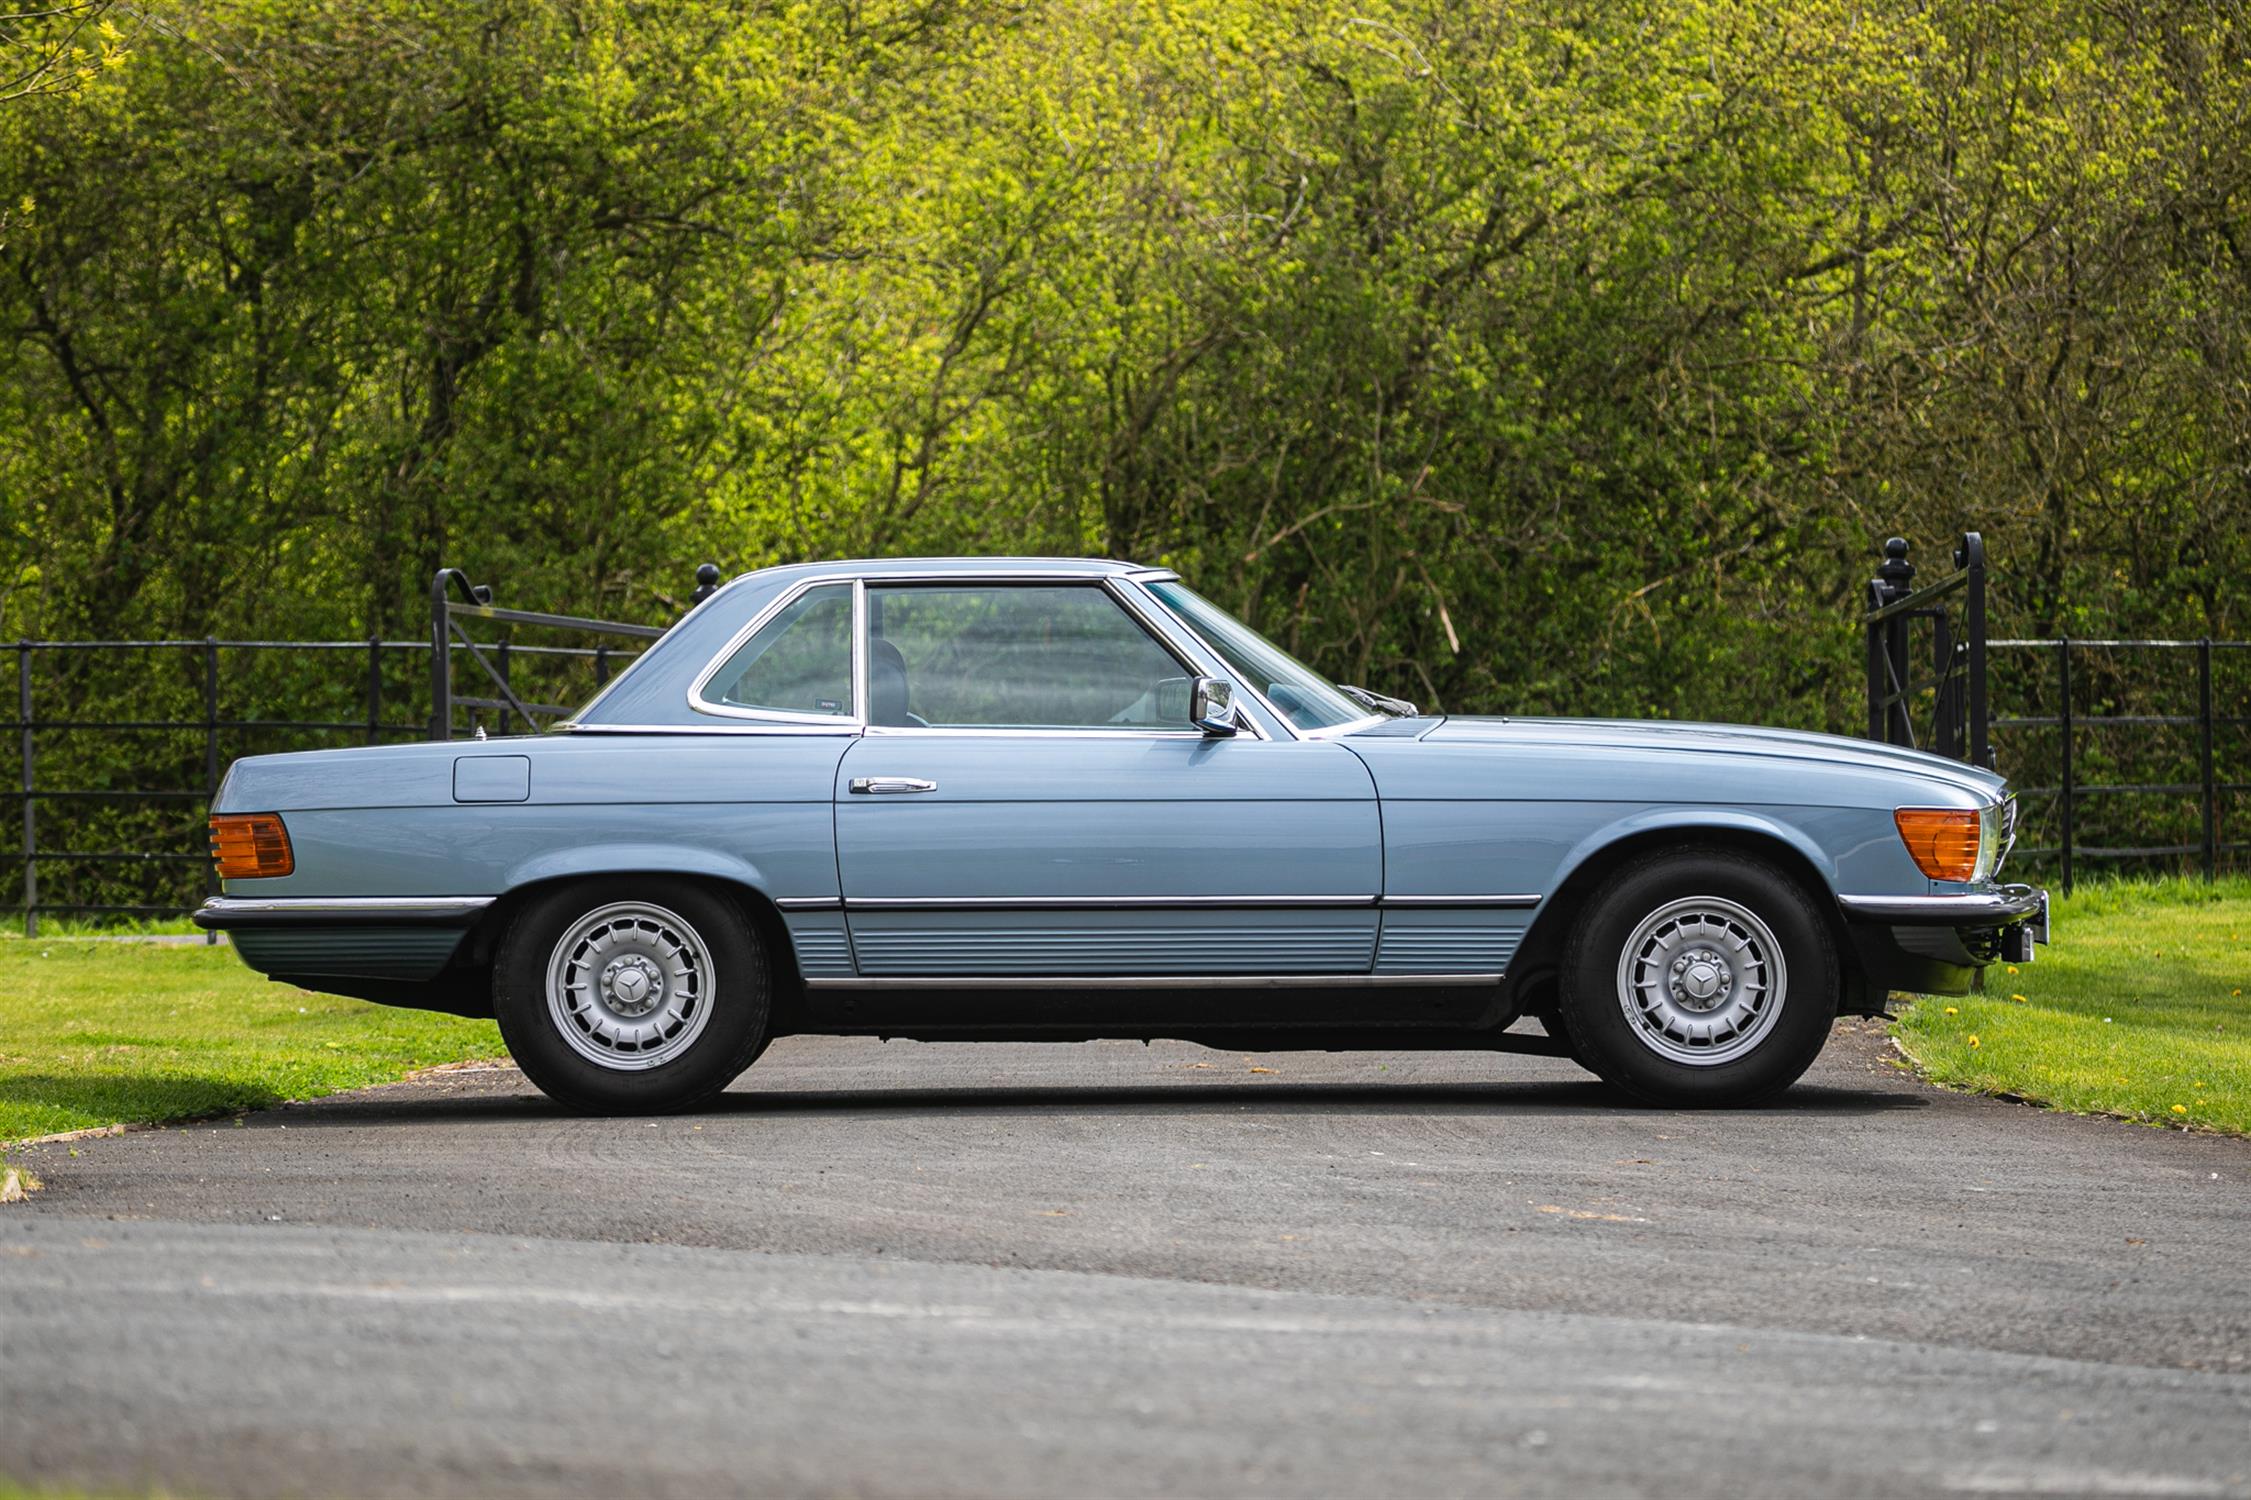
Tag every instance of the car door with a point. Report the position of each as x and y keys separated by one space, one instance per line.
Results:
x=1030 y=800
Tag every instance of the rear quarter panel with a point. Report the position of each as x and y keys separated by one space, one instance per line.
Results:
x=384 y=822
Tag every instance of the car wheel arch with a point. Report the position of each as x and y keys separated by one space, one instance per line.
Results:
x=1538 y=957
x=757 y=908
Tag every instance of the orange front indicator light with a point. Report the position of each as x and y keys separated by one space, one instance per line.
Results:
x=250 y=846
x=1943 y=841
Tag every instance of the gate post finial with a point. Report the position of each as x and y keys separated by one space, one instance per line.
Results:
x=707 y=583
x=1895 y=574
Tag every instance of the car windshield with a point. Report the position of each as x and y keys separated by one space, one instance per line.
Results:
x=1307 y=700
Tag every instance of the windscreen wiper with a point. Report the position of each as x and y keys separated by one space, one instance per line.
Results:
x=1398 y=708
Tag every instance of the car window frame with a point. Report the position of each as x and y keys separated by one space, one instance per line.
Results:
x=1139 y=606
x=1125 y=604
x=697 y=698
x=782 y=720
x=1159 y=611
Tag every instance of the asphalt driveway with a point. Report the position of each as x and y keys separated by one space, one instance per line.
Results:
x=889 y=1269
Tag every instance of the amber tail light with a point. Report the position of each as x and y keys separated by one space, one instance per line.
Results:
x=246 y=846
x=1943 y=841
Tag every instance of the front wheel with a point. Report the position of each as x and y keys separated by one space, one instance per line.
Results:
x=1700 y=977
x=631 y=996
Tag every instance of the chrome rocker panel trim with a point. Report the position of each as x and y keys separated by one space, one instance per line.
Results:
x=220 y=913
x=1156 y=982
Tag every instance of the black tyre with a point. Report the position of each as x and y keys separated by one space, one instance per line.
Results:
x=1699 y=977
x=631 y=995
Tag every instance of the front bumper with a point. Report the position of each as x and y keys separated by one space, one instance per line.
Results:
x=1935 y=945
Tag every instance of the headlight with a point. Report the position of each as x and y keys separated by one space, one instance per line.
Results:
x=1993 y=839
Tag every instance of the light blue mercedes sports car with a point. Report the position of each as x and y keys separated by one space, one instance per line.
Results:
x=1047 y=799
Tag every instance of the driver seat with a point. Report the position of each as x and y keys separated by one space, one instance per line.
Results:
x=887 y=684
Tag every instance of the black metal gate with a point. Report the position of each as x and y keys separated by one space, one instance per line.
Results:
x=2185 y=793
x=497 y=659
x=122 y=837
x=1959 y=725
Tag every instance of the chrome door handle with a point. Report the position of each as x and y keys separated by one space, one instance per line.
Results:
x=891 y=786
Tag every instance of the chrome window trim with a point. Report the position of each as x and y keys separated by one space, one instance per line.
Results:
x=1289 y=727
x=1154 y=981
x=845 y=722
x=1142 y=605
x=888 y=730
x=1118 y=596
x=1144 y=608
x=860 y=654
x=838 y=728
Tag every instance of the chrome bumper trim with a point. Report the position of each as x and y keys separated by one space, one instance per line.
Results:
x=223 y=912
x=1153 y=981
x=1968 y=909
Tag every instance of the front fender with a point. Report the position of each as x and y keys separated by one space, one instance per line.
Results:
x=1736 y=820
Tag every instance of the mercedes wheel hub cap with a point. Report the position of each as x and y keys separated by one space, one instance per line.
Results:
x=632 y=985
x=1701 y=979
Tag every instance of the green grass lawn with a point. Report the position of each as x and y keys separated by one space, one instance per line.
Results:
x=100 y=1033
x=2137 y=1009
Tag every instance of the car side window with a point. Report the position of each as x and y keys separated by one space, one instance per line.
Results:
x=1025 y=656
x=799 y=662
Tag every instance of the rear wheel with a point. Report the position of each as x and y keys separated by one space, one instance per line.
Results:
x=628 y=996
x=1700 y=977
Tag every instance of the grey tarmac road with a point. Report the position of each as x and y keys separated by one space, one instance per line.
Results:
x=903 y=1269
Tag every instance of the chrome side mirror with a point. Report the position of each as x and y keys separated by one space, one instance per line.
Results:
x=1211 y=705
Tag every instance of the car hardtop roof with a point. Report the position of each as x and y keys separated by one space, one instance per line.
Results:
x=897 y=567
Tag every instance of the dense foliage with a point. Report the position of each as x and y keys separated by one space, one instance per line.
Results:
x=1508 y=356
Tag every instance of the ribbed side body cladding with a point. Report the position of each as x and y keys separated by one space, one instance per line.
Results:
x=823 y=950
x=360 y=952
x=922 y=946
x=1420 y=944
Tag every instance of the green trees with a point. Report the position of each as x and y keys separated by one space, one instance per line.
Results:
x=1507 y=357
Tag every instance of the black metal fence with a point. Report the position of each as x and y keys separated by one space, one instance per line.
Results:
x=2183 y=767
x=2119 y=756
x=121 y=837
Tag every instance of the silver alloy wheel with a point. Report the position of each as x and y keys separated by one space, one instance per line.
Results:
x=630 y=986
x=1702 y=981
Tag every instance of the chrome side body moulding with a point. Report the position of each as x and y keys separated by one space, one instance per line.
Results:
x=1170 y=903
x=222 y=912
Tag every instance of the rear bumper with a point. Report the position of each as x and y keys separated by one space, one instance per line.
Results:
x=316 y=941
x=1936 y=945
